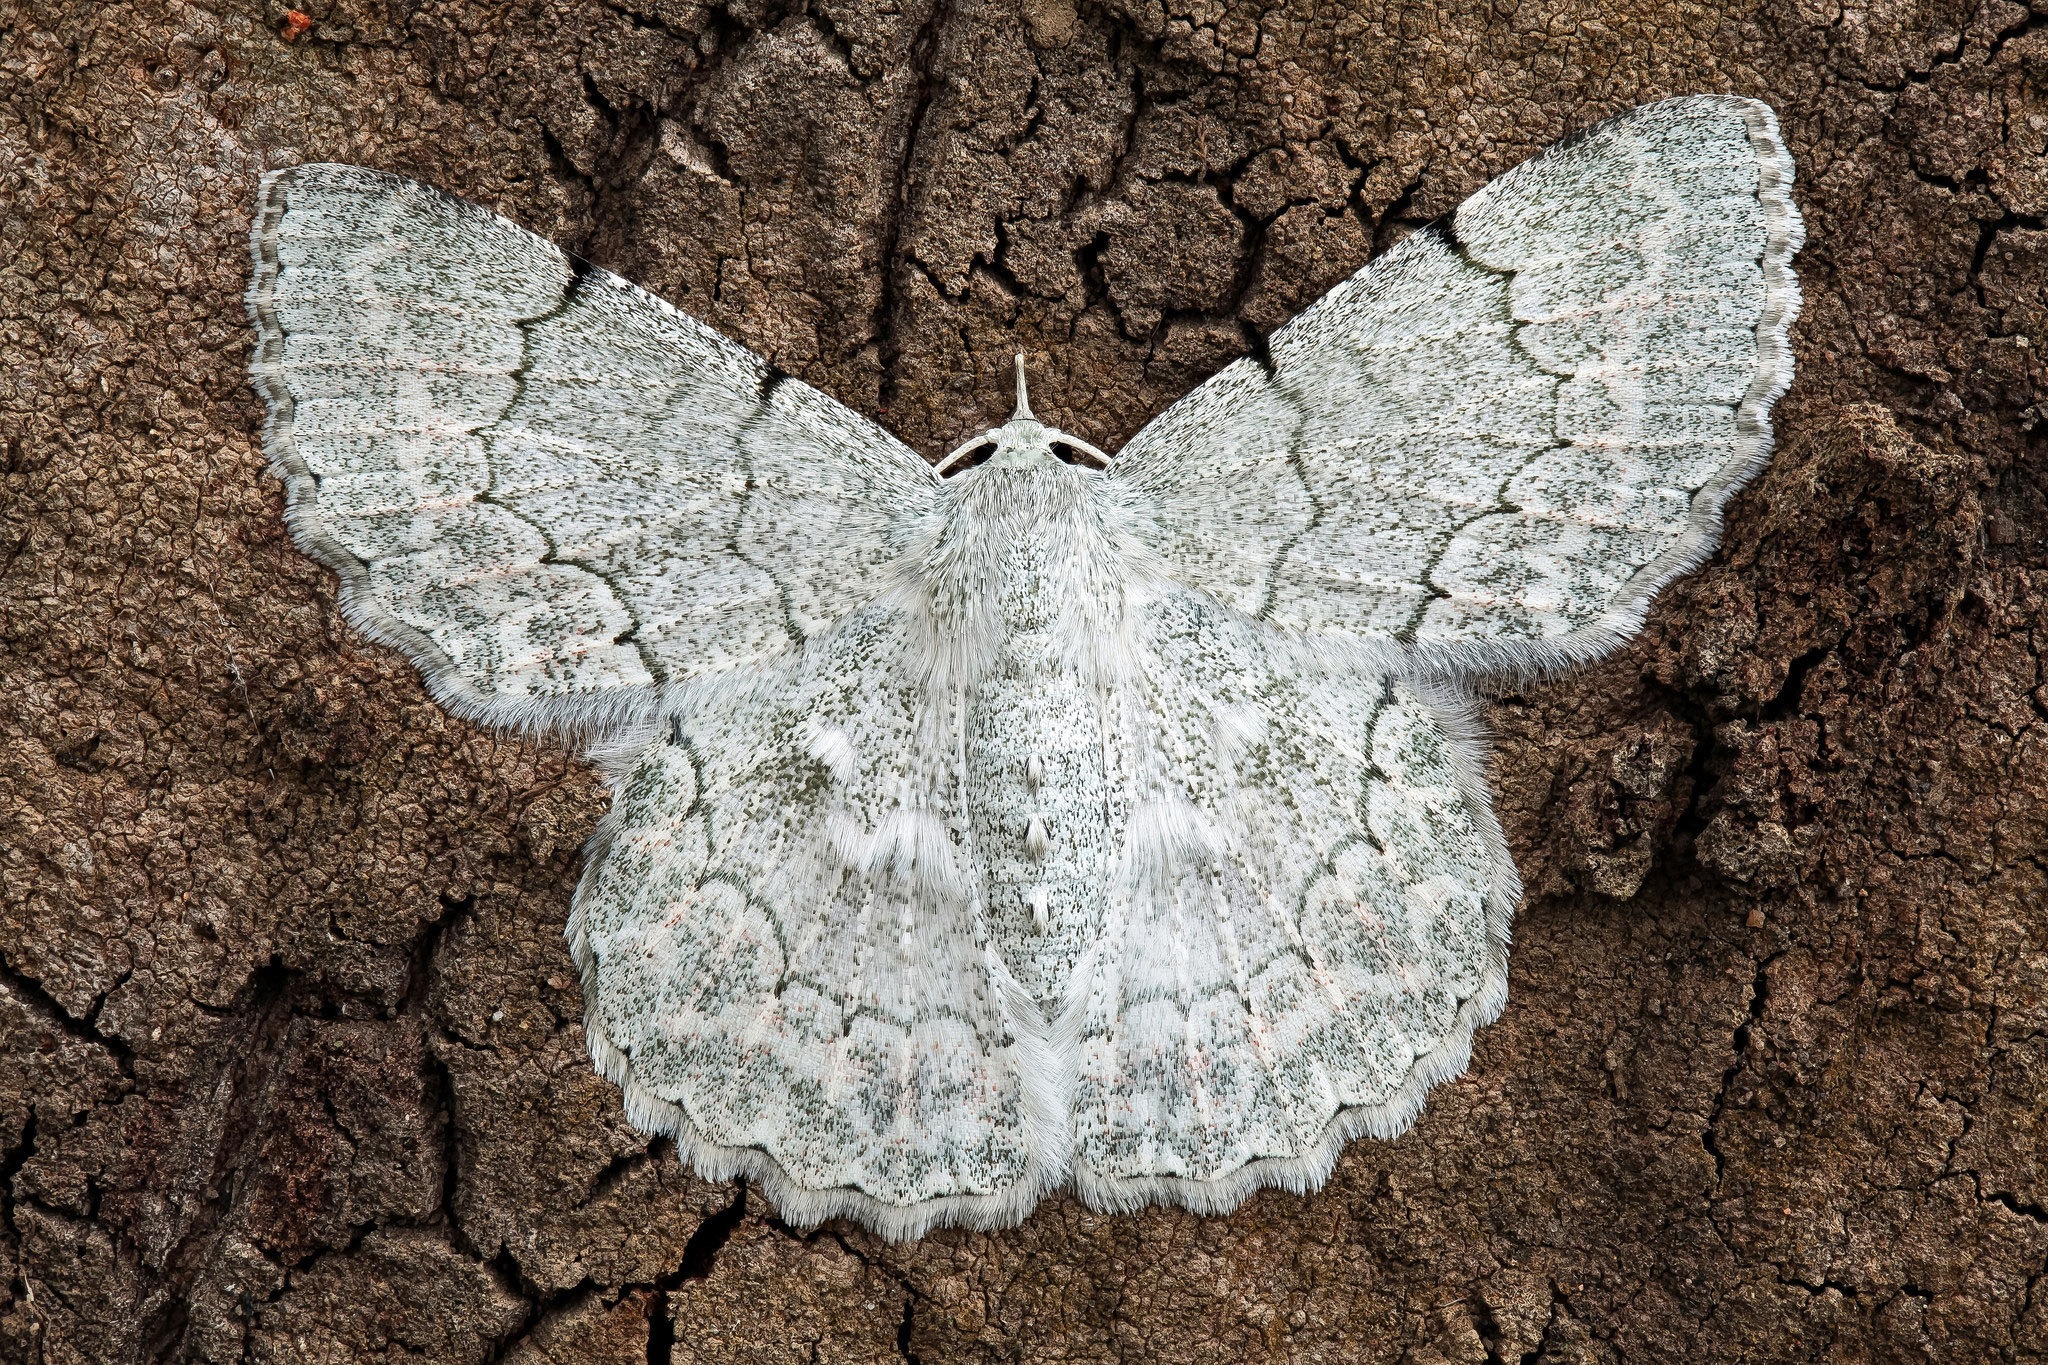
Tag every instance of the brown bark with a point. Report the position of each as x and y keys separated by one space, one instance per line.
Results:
x=293 y=1062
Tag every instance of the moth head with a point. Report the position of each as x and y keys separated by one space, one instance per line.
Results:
x=1022 y=441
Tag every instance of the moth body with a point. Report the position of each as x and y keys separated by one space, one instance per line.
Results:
x=1027 y=601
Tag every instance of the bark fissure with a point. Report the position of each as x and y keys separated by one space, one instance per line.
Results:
x=1779 y=1102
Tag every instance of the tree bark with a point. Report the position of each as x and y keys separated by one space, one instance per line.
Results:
x=294 y=1067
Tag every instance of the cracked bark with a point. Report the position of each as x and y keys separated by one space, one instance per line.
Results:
x=294 y=1062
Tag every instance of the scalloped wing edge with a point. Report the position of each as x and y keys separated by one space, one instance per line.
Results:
x=1527 y=660
x=581 y=717
x=1043 y=1074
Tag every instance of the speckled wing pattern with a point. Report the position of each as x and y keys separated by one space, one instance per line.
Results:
x=787 y=964
x=550 y=488
x=1311 y=920
x=1036 y=828
x=1501 y=438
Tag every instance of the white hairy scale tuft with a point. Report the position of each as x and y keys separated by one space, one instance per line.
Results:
x=1045 y=826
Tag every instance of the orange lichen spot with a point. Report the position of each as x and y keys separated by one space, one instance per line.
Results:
x=297 y=23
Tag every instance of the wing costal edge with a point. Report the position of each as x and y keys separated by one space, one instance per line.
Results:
x=1623 y=617
x=1362 y=483
x=579 y=717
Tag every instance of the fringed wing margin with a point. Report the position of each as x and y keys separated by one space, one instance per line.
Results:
x=551 y=490
x=1492 y=446
x=786 y=961
x=1310 y=922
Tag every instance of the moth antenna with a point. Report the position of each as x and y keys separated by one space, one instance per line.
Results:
x=1023 y=412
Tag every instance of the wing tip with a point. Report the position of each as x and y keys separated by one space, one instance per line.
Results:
x=1528 y=660
x=581 y=719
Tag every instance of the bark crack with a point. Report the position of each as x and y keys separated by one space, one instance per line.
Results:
x=700 y=1257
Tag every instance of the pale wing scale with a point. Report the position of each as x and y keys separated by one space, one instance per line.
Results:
x=1125 y=833
x=549 y=488
x=1495 y=443
x=785 y=963
x=1307 y=928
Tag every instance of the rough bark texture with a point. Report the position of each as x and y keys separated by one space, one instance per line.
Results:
x=293 y=1064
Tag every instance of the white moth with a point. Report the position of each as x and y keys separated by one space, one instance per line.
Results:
x=1114 y=825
